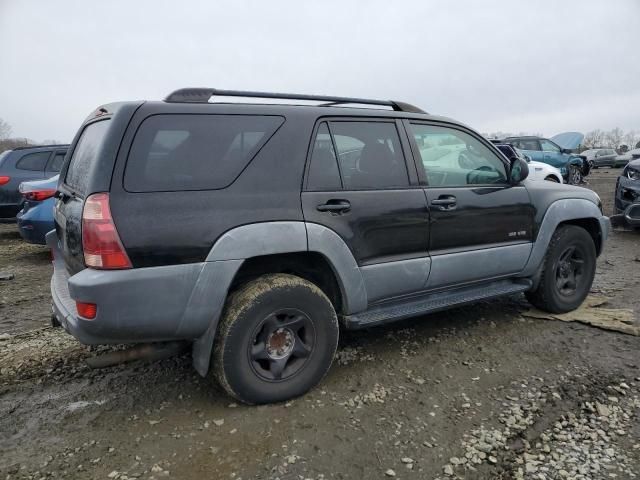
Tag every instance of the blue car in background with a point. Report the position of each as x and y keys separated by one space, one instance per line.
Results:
x=36 y=217
x=557 y=152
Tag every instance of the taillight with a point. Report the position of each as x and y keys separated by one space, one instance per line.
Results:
x=4 y=179
x=100 y=240
x=87 y=310
x=37 y=195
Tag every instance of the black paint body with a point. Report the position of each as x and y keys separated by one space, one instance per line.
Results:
x=164 y=228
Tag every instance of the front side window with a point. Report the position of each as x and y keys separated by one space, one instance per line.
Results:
x=526 y=144
x=323 y=169
x=33 y=161
x=194 y=152
x=370 y=155
x=548 y=146
x=452 y=157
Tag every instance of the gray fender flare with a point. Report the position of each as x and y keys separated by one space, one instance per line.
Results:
x=558 y=212
x=269 y=238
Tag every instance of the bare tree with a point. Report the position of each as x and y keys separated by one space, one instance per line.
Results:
x=593 y=139
x=614 y=137
x=5 y=130
x=631 y=138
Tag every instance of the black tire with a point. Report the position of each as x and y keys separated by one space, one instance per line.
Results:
x=575 y=175
x=551 y=178
x=276 y=339
x=554 y=292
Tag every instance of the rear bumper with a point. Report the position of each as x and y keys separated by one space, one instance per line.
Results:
x=33 y=230
x=177 y=302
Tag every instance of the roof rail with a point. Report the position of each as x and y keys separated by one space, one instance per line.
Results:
x=202 y=95
x=25 y=147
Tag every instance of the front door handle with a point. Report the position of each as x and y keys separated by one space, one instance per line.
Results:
x=335 y=206
x=445 y=202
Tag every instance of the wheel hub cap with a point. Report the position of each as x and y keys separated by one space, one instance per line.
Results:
x=280 y=343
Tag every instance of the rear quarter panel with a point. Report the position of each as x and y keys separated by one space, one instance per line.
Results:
x=163 y=228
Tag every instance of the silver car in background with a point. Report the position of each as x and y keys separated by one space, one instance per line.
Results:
x=601 y=157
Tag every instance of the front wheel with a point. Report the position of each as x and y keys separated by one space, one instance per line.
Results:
x=575 y=175
x=276 y=339
x=568 y=270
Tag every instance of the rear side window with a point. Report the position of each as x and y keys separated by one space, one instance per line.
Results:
x=33 y=161
x=370 y=155
x=194 y=152
x=85 y=155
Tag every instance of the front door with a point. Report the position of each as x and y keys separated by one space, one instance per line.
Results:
x=358 y=185
x=481 y=226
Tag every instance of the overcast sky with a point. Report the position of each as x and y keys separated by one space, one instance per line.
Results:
x=541 y=66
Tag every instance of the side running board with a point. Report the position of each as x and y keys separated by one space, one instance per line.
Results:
x=433 y=302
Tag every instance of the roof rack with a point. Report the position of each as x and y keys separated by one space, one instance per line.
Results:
x=202 y=95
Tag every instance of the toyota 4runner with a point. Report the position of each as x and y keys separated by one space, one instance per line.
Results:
x=255 y=231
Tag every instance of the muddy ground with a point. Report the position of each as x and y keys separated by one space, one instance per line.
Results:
x=480 y=392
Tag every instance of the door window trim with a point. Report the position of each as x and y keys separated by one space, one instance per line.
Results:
x=412 y=176
x=417 y=158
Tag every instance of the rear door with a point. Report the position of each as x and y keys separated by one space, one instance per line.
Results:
x=481 y=226
x=73 y=190
x=359 y=186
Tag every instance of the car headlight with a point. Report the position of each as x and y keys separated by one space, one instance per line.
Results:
x=633 y=174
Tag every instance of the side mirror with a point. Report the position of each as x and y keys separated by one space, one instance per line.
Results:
x=519 y=171
x=527 y=158
x=566 y=150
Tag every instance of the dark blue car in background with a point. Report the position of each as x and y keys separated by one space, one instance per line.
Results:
x=24 y=164
x=36 y=217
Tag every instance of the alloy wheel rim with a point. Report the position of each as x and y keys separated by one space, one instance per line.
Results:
x=281 y=345
x=570 y=271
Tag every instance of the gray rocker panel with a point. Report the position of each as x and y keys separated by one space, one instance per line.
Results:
x=393 y=279
x=469 y=266
x=558 y=212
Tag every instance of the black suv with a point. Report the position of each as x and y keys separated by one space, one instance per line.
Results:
x=255 y=231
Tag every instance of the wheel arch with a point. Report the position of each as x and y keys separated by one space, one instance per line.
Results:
x=574 y=211
x=253 y=249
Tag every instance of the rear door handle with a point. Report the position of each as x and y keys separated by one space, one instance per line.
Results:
x=335 y=206
x=445 y=202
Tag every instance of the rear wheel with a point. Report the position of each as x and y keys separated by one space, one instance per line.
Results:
x=276 y=339
x=551 y=178
x=567 y=271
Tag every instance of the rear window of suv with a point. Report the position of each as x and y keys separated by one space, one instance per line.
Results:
x=194 y=152
x=85 y=155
